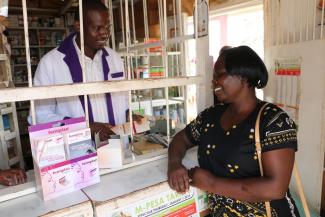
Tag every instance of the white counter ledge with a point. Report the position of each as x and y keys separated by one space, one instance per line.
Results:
x=33 y=205
x=119 y=188
x=132 y=179
x=129 y=186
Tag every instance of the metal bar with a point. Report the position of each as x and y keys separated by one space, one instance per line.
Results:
x=122 y=21
x=83 y=66
x=128 y=62
x=314 y=28
x=133 y=22
x=307 y=20
x=165 y=56
x=145 y=19
x=156 y=44
x=322 y=21
x=196 y=21
x=300 y=20
x=111 y=20
x=295 y=9
x=27 y=50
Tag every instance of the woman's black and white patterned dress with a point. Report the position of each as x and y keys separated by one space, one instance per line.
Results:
x=232 y=154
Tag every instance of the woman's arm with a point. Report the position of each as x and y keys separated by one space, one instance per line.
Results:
x=277 y=166
x=177 y=174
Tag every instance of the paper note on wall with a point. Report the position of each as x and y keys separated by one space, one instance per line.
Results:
x=288 y=84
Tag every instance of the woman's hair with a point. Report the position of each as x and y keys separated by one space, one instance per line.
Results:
x=244 y=62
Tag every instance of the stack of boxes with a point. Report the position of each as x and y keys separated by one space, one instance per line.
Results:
x=64 y=157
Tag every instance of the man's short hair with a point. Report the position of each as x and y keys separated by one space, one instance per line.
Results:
x=87 y=5
x=93 y=5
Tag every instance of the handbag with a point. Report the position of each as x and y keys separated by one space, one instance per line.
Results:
x=295 y=169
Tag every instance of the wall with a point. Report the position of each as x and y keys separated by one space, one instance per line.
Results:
x=292 y=29
x=311 y=145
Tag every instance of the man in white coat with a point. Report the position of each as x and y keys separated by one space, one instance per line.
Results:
x=62 y=66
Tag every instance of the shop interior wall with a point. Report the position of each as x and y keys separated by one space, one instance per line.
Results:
x=310 y=155
x=293 y=29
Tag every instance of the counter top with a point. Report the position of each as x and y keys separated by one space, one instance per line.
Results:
x=33 y=204
x=111 y=186
x=132 y=179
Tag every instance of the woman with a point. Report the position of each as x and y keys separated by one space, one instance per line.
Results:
x=229 y=169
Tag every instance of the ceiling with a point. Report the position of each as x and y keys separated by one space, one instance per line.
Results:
x=60 y=6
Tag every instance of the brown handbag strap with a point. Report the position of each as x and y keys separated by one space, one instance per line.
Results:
x=259 y=153
x=295 y=169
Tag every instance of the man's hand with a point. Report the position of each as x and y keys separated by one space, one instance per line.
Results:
x=12 y=177
x=103 y=129
x=137 y=118
x=178 y=179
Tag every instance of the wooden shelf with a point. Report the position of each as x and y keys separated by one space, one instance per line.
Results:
x=3 y=57
x=20 y=65
x=21 y=83
x=37 y=28
x=33 y=46
x=6 y=110
x=22 y=108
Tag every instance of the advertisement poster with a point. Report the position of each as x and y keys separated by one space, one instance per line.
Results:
x=288 y=85
x=166 y=204
x=203 y=17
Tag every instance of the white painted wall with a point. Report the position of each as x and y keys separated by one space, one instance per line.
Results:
x=311 y=143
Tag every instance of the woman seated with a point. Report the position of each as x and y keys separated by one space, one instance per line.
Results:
x=225 y=135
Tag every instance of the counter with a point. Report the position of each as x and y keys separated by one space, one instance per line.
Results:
x=116 y=191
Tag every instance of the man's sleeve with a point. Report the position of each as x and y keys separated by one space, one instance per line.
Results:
x=45 y=109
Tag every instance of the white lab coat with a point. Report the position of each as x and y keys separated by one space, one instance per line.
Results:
x=53 y=70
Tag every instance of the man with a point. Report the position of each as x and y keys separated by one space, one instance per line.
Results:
x=62 y=66
x=12 y=177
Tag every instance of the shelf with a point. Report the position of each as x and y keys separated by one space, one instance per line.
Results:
x=21 y=83
x=19 y=65
x=6 y=110
x=13 y=160
x=10 y=136
x=146 y=104
x=22 y=108
x=170 y=53
x=45 y=11
x=33 y=46
x=37 y=28
x=3 y=57
x=147 y=67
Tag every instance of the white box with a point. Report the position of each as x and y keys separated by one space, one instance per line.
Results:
x=49 y=150
x=110 y=155
x=78 y=143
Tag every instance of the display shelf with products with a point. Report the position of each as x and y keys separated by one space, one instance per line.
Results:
x=45 y=33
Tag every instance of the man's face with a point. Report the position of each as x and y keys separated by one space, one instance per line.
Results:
x=96 y=29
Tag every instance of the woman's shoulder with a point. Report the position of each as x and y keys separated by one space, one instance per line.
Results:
x=273 y=114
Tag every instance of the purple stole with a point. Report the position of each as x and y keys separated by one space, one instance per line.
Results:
x=72 y=61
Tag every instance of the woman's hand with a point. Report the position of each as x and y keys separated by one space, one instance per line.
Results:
x=12 y=177
x=201 y=178
x=178 y=179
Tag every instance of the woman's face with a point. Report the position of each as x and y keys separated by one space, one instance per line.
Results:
x=226 y=87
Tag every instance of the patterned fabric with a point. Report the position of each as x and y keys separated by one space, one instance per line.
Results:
x=231 y=154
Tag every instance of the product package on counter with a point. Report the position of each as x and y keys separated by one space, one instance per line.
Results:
x=58 y=171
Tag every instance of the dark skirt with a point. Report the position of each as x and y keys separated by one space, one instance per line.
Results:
x=221 y=206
